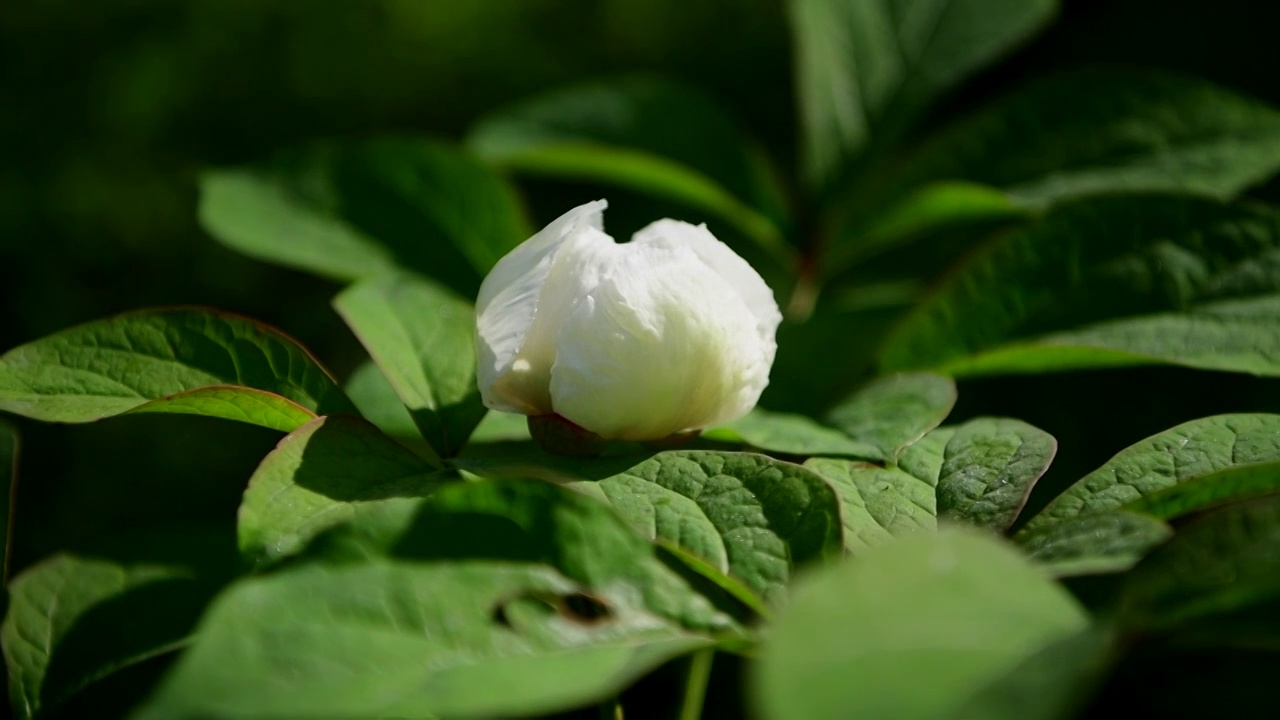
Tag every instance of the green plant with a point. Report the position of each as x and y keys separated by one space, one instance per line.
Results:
x=403 y=553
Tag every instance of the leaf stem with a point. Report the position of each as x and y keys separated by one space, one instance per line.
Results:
x=696 y=686
x=611 y=709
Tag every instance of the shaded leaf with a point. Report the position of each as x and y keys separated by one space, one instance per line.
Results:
x=955 y=608
x=354 y=210
x=1093 y=261
x=9 y=446
x=866 y=69
x=924 y=457
x=1225 y=562
x=423 y=339
x=988 y=469
x=378 y=403
x=1239 y=482
x=334 y=470
x=1106 y=130
x=791 y=434
x=645 y=134
x=74 y=619
x=749 y=516
x=1103 y=542
x=182 y=360
x=877 y=504
x=893 y=412
x=1233 y=335
x=1181 y=454
x=521 y=586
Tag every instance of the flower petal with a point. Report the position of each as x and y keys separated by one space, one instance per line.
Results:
x=661 y=345
x=507 y=304
x=737 y=272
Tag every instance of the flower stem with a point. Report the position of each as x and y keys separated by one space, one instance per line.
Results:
x=695 y=690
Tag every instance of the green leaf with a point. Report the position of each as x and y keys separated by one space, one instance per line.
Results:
x=877 y=504
x=1226 y=562
x=1056 y=682
x=1183 y=454
x=934 y=208
x=334 y=470
x=924 y=457
x=181 y=360
x=423 y=338
x=355 y=210
x=1239 y=482
x=910 y=629
x=1103 y=542
x=989 y=468
x=1088 y=132
x=1233 y=335
x=378 y=403
x=792 y=435
x=895 y=411
x=76 y=618
x=645 y=134
x=521 y=586
x=867 y=68
x=501 y=427
x=1099 y=260
x=9 y=446
x=748 y=516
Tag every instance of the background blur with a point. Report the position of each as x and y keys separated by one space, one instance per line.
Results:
x=110 y=109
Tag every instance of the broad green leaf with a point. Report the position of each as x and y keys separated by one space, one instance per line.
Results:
x=934 y=208
x=988 y=469
x=378 y=403
x=334 y=470
x=867 y=68
x=181 y=360
x=423 y=338
x=1104 y=542
x=76 y=618
x=645 y=134
x=355 y=210
x=499 y=599
x=1232 y=335
x=924 y=457
x=1056 y=682
x=501 y=427
x=877 y=504
x=1225 y=562
x=748 y=516
x=1186 y=453
x=909 y=630
x=791 y=434
x=9 y=445
x=1098 y=260
x=1096 y=131
x=1235 y=483
x=895 y=411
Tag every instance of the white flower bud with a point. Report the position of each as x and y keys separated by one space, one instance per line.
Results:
x=667 y=333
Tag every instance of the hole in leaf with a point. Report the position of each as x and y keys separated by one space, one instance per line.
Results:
x=584 y=608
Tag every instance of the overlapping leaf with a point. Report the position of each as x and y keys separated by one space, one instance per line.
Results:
x=422 y=338
x=522 y=586
x=911 y=629
x=866 y=68
x=349 y=211
x=895 y=411
x=76 y=618
x=748 y=516
x=646 y=134
x=1153 y=469
x=334 y=470
x=1100 y=260
x=182 y=360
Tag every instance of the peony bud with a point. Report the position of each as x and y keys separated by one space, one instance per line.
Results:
x=668 y=333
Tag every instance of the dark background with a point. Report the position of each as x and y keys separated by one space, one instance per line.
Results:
x=110 y=108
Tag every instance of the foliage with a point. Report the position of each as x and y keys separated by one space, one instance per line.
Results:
x=870 y=542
